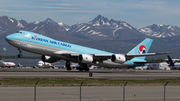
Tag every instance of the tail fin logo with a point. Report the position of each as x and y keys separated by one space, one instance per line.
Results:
x=142 y=49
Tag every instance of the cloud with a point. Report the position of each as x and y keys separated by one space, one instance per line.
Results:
x=47 y=7
x=140 y=11
x=60 y=4
x=16 y=11
x=51 y=7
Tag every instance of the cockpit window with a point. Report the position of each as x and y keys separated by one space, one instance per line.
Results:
x=19 y=32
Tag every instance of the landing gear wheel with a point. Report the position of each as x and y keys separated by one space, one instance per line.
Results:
x=83 y=67
x=20 y=55
x=68 y=65
x=87 y=70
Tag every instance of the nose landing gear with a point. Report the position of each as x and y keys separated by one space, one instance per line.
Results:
x=20 y=55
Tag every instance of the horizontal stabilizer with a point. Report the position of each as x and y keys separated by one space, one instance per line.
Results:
x=147 y=54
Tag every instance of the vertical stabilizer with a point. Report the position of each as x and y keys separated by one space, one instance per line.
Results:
x=170 y=61
x=142 y=48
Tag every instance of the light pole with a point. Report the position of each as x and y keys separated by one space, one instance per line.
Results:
x=4 y=49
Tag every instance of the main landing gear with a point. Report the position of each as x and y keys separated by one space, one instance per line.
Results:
x=68 y=65
x=81 y=67
x=20 y=55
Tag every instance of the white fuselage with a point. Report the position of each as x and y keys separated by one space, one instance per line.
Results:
x=42 y=64
x=6 y=64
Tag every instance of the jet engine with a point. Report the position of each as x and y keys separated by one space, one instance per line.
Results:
x=48 y=59
x=85 y=58
x=118 y=58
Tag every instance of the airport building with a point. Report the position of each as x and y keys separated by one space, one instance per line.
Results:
x=155 y=66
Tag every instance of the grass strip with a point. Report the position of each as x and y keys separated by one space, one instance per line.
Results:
x=49 y=82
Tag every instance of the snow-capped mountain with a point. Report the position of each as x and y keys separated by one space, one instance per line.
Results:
x=104 y=28
x=47 y=27
x=64 y=26
x=99 y=28
x=160 y=31
x=11 y=23
x=61 y=24
x=48 y=20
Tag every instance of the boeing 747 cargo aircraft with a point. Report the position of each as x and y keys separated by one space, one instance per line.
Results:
x=53 y=50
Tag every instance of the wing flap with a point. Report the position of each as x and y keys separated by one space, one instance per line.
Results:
x=65 y=53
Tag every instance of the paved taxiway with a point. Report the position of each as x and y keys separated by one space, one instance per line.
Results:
x=108 y=74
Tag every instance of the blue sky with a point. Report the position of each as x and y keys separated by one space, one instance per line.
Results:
x=138 y=13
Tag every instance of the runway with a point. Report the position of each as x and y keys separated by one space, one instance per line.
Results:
x=108 y=74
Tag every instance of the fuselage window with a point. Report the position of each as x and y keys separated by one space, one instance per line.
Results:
x=19 y=32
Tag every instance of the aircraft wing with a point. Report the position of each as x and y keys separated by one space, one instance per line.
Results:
x=128 y=56
x=108 y=56
x=95 y=56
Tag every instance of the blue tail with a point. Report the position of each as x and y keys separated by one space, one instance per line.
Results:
x=170 y=61
x=141 y=48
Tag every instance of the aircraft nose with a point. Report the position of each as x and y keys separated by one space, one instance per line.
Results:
x=7 y=38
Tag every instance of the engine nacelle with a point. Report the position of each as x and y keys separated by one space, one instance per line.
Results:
x=118 y=58
x=48 y=59
x=85 y=58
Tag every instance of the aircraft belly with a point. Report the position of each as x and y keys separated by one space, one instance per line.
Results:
x=27 y=46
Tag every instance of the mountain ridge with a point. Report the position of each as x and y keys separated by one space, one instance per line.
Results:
x=101 y=33
x=160 y=31
x=94 y=28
